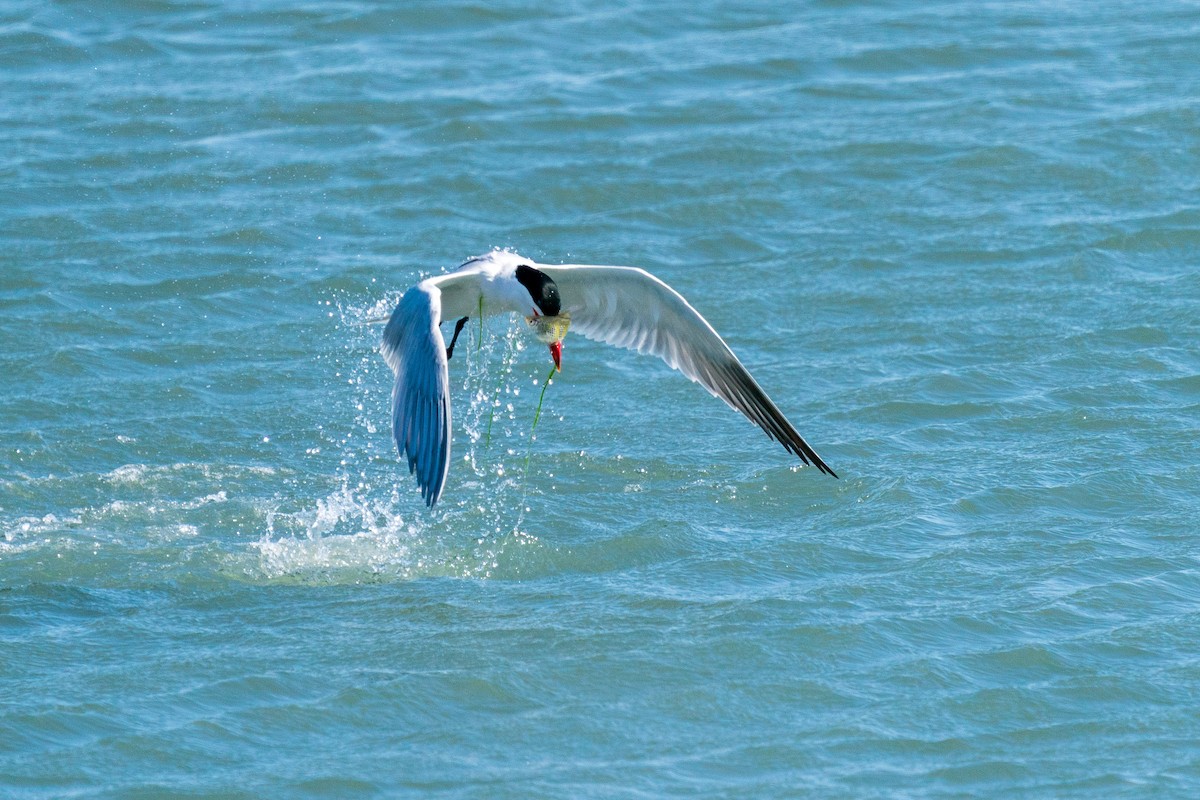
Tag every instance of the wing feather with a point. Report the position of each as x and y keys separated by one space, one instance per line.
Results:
x=630 y=308
x=415 y=350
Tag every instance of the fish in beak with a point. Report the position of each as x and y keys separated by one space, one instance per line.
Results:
x=552 y=330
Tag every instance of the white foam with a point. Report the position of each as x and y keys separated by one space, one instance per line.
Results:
x=137 y=474
x=350 y=537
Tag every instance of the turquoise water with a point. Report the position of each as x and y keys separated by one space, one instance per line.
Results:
x=956 y=242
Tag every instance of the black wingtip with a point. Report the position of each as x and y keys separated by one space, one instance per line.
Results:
x=817 y=461
x=759 y=409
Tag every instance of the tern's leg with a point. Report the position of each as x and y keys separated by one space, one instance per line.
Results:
x=458 y=326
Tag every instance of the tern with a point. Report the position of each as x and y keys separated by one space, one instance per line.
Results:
x=623 y=306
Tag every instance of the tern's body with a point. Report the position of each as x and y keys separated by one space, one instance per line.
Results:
x=623 y=306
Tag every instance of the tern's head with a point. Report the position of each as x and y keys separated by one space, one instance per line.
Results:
x=548 y=317
x=543 y=291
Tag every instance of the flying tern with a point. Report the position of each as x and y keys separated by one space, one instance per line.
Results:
x=623 y=306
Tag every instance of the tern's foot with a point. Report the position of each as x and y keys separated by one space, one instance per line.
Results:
x=458 y=326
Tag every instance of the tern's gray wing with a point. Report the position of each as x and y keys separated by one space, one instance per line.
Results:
x=416 y=352
x=630 y=308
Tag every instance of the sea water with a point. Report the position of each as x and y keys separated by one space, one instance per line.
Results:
x=955 y=242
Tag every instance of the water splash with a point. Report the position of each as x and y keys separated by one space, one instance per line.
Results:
x=373 y=524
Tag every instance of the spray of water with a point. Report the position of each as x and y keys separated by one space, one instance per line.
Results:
x=373 y=524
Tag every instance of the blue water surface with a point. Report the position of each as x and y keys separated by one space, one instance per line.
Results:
x=955 y=242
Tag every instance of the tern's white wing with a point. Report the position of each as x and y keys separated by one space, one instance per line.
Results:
x=629 y=307
x=416 y=352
